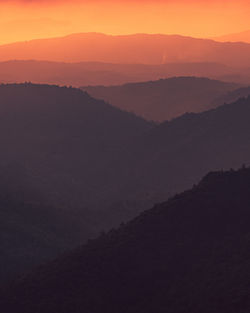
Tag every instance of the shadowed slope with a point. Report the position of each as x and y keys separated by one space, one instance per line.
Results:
x=175 y=154
x=68 y=151
x=60 y=160
x=232 y=96
x=31 y=233
x=188 y=254
x=68 y=142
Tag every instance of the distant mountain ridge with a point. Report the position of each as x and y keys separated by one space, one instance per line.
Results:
x=157 y=49
x=164 y=99
x=97 y=73
x=234 y=95
x=189 y=253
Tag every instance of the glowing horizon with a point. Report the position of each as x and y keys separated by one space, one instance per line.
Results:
x=26 y=19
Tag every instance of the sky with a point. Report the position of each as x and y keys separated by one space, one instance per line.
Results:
x=30 y=19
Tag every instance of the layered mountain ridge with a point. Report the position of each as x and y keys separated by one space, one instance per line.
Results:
x=189 y=253
x=92 y=166
x=157 y=49
x=164 y=99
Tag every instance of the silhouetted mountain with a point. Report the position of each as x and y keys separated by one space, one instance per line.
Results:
x=95 y=73
x=163 y=99
x=175 y=154
x=59 y=163
x=99 y=166
x=189 y=254
x=64 y=139
x=138 y=48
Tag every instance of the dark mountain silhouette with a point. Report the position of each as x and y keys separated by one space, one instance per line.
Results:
x=98 y=166
x=175 y=154
x=63 y=139
x=96 y=73
x=138 y=48
x=189 y=254
x=163 y=99
x=59 y=163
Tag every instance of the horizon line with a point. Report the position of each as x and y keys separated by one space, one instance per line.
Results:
x=105 y=34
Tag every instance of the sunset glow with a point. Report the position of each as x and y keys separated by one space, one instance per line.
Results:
x=25 y=20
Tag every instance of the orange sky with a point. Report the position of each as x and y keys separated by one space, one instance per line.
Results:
x=29 y=19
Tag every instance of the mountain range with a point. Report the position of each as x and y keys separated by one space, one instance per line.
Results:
x=157 y=49
x=164 y=99
x=175 y=154
x=85 y=166
x=233 y=95
x=97 y=73
x=189 y=254
x=60 y=162
x=53 y=132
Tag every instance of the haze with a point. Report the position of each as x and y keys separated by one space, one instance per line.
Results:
x=25 y=20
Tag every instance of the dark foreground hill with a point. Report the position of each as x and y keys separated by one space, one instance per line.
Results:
x=60 y=162
x=94 y=166
x=189 y=254
x=164 y=99
x=66 y=145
